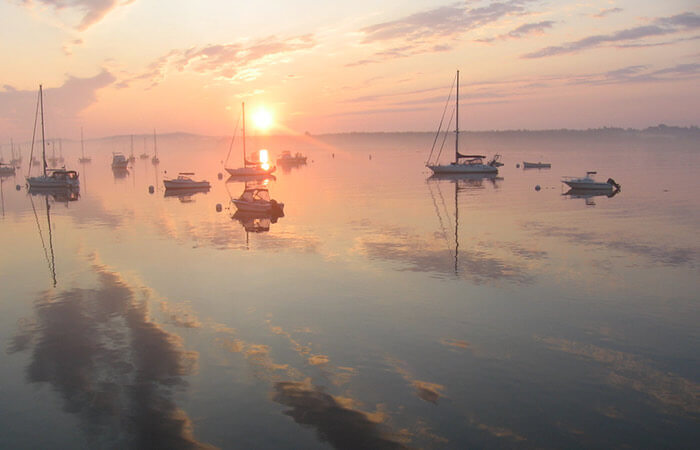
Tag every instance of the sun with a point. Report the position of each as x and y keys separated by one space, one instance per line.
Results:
x=262 y=119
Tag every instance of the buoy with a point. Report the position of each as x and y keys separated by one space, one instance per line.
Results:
x=517 y=166
x=537 y=188
x=218 y=206
x=220 y=175
x=18 y=187
x=151 y=189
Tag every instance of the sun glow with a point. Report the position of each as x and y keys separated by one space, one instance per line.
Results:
x=262 y=119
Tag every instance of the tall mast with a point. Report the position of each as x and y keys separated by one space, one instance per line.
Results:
x=82 y=145
x=43 y=141
x=155 y=148
x=457 y=123
x=243 y=109
x=132 y=145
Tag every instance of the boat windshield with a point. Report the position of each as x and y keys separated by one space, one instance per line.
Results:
x=256 y=195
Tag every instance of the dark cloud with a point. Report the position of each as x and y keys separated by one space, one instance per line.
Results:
x=93 y=10
x=336 y=423
x=62 y=105
x=115 y=369
x=658 y=27
x=606 y=12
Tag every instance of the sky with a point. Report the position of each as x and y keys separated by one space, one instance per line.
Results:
x=128 y=66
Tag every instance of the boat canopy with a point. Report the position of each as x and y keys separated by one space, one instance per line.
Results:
x=186 y=173
x=459 y=155
x=256 y=194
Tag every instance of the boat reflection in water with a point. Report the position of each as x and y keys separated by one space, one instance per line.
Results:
x=589 y=194
x=462 y=182
x=120 y=173
x=185 y=195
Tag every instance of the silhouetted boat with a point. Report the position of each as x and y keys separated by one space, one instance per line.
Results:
x=155 y=159
x=537 y=165
x=7 y=169
x=287 y=158
x=250 y=168
x=462 y=163
x=119 y=161
x=257 y=199
x=51 y=178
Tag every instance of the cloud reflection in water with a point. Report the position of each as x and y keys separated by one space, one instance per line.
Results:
x=114 y=368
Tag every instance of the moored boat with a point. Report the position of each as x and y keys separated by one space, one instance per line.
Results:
x=119 y=161
x=537 y=165
x=588 y=182
x=250 y=168
x=462 y=163
x=184 y=181
x=257 y=199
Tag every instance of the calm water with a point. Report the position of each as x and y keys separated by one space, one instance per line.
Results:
x=386 y=309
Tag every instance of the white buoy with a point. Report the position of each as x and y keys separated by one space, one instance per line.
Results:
x=537 y=187
x=517 y=166
x=151 y=189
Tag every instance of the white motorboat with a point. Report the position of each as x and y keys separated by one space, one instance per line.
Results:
x=257 y=199
x=119 y=161
x=250 y=168
x=588 y=182
x=51 y=178
x=184 y=181
x=537 y=165
x=462 y=163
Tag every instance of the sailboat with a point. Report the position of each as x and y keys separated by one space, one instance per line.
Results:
x=132 y=158
x=155 y=159
x=83 y=159
x=462 y=163
x=144 y=155
x=16 y=160
x=51 y=178
x=250 y=168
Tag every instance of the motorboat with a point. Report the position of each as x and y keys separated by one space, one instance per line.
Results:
x=537 y=165
x=51 y=178
x=588 y=182
x=184 y=181
x=250 y=168
x=257 y=199
x=119 y=161
x=287 y=158
x=462 y=163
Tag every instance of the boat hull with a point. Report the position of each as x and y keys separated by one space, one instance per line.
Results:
x=174 y=184
x=258 y=207
x=250 y=171
x=529 y=165
x=45 y=183
x=588 y=185
x=462 y=168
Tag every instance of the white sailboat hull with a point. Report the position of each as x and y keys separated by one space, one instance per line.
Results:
x=250 y=171
x=243 y=205
x=463 y=168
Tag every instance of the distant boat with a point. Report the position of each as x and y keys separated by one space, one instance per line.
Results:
x=250 y=168
x=132 y=158
x=16 y=160
x=588 y=182
x=537 y=165
x=83 y=159
x=287 y=158
x=119 y=161
x=52 y=178
x=257 y=199
x=155 y=159
x=184 y=181
x=6 y=169
x=462 y=163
